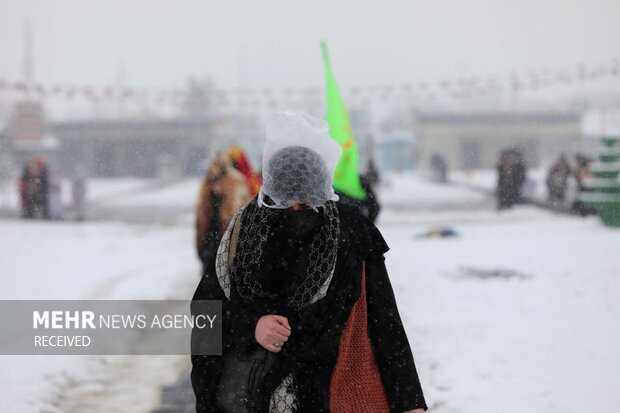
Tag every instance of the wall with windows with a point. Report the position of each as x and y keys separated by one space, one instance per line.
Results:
x=473 y=141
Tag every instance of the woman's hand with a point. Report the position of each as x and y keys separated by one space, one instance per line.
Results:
x=271 y=330
x=415 y=411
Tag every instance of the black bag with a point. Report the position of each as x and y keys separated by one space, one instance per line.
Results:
x=242 y=376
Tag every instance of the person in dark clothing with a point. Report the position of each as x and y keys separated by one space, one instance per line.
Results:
x=504 y=183
x=372 y=174
x=39 y=189
x=78 y=196
x=582 y=173
x=25 y=187
x=369 y=207
x=289 y=271
x=439 y=168
x=557 y=180
x=511 y=172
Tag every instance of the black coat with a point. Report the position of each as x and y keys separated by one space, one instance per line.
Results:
x=312 y=349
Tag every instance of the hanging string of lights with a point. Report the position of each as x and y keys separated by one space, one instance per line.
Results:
x=461 y=87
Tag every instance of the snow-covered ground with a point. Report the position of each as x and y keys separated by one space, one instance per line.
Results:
x=57 y=260
x=174 y=195
x=409 y=191
x=534 y=188
x=97 y=190
x=545 y=340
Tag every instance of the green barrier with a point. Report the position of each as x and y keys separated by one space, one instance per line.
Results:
x=603 y=192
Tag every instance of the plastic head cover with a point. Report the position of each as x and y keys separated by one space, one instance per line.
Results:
x=299 y=161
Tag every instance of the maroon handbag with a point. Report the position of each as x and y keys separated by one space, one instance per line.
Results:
x=356 y=384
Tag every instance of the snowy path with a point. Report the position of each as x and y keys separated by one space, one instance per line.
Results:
x=134 y=201
x=64 y=260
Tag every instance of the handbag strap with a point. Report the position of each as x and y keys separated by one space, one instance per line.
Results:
x=363 y=293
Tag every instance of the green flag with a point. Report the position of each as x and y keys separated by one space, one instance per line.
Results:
x=346 y=176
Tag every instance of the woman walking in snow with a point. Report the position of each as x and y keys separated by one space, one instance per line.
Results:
x=310 y=323
x=222 y=193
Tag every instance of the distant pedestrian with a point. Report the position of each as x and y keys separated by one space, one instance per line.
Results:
x=557 y=180
x=25 y=187
x=372 y=174
x=439 y=168
x=56 y=206
x=582 y=174
x=511 y=176
x=368 y=207
x=78 y=197
x=223 y=192
x=39 y=188
x=241 y=162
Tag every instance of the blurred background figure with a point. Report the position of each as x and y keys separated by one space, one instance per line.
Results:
x=241 y=162
x=78 y=197
x=368 y=207
x=40 y=189
x=582 y=170
x=33 y=188
x=24 y=187
x=370 y=180
x=224 y=190
x=557 y=181
x=372 y=174
x=56 y=209
x=439 y=168
x=511 y=173
x=582 y=173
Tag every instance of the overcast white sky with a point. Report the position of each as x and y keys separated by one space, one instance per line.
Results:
x=162 y=42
